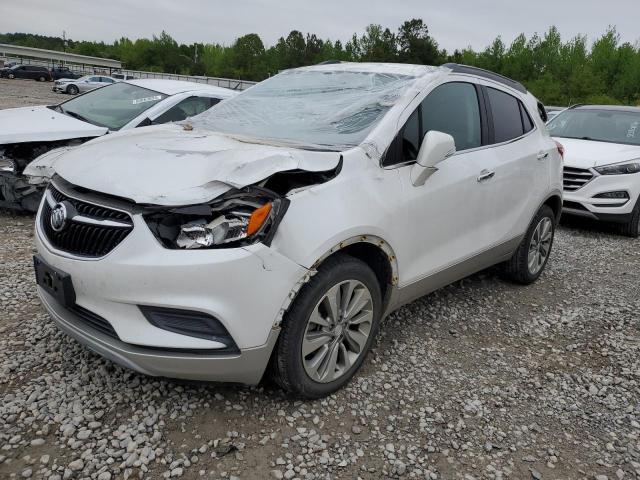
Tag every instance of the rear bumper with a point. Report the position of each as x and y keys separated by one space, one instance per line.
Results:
x=246 y=367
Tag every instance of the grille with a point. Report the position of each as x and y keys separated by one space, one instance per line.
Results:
x=94 y=321
x=84 y=235
x=576 y=178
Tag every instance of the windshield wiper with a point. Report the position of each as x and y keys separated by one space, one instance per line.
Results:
x=76 y=115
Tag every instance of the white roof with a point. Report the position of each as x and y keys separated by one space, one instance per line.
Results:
x=173 y=87
x=384 y=68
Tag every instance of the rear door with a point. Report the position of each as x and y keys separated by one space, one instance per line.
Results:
x=518 y=164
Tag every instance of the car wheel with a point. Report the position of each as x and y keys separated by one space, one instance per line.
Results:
x=11 y=76
x=329 y=329
x=530 y=259
x=41 y=79
x=632 y=227
x=72 y=90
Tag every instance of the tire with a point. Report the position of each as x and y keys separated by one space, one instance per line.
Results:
x=296 y=373
x=42 y=79
x=519 y=269
x=632 y=227
x=72 y=90
x=11 y=76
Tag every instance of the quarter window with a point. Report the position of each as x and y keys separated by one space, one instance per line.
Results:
x=453 y=108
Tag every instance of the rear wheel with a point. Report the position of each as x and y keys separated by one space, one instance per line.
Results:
x=632 y=227
x=11 y=76
x=72 y=90
x=529 y=261
x=41 y=79
x=329 y=329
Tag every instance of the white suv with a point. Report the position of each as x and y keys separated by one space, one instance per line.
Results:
x=282 y=225
x=602 y=163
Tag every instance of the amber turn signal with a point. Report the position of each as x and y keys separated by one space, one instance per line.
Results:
x=258 y=218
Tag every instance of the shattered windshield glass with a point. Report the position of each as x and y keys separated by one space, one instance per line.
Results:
x=331 y=110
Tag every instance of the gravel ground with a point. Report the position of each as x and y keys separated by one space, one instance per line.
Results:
x=482 y=379
x=23 y=93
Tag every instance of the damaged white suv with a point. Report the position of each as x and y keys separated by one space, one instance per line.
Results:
x=279 y=228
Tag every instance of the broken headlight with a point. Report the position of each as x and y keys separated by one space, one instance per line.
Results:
x=238 y=218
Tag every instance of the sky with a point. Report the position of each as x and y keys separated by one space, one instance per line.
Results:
x=453 y=23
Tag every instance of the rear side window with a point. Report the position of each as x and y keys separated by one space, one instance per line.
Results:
x=527 y=123
x=453 y=108
x=510 y=118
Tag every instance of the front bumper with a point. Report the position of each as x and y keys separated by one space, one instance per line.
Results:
x=584 y=202
x=246 y=367
x=245 y=289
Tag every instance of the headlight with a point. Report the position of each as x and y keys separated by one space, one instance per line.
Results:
x=619 y=169
x=238 y=218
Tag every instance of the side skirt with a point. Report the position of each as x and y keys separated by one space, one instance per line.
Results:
x=453 y=273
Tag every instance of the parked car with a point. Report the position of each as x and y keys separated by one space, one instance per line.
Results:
x=73 y=86
x=122 y=76
x=602 y=163
x=58 y=73
x=33 y=72
x=553 y=111
x=281 y=226
x=29 y=132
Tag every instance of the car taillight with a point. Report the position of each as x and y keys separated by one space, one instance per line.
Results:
x=560 y=148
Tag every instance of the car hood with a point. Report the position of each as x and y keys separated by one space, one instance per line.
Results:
x=42 y=124
x=168 y=165
x=589 y=153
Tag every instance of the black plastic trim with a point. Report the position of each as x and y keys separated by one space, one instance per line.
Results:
x=481 y=72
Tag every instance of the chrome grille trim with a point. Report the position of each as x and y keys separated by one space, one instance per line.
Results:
x=576 y=178
x=92 y=230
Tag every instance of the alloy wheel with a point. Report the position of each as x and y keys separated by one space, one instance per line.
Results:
x=540 y=245
x=337 y=331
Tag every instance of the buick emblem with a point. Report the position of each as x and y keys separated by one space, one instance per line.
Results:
x=58 y=217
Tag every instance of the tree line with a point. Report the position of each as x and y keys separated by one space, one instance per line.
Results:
x=559 y=72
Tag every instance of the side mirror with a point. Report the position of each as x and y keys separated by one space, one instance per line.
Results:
x=436 y=146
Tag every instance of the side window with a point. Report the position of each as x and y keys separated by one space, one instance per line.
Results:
x=94 y=79
x=188 y=107
x=527 y=123
x=453 y=108
x=507 y=116
x=411 y=138
x=106 y=80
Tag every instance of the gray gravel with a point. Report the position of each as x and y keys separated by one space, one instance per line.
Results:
x=481 y=380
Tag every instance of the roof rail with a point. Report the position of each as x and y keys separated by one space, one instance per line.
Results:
x=481 y=72
x=576 y=105
x=329 y=62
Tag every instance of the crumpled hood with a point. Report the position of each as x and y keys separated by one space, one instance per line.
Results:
x=589 y=153
x=167 y=165
x=42 y=124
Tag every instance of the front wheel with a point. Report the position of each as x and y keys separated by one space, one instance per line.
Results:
x=72 y=90
x=329 y=329
x=632 y=227
x=11 y=76
x=530 y=259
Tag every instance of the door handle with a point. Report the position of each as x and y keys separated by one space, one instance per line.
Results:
x=485 y=175
x=542 y=155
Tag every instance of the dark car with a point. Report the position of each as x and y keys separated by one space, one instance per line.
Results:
x=63 y=72
x=34 y=72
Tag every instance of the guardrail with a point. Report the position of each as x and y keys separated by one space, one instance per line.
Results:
x=231 y=83
x=218 y=82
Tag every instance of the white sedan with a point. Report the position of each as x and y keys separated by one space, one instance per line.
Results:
x=28 y=132
x=73 y=86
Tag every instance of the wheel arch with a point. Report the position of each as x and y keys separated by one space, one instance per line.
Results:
x=554 y=201
x=376 y=253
